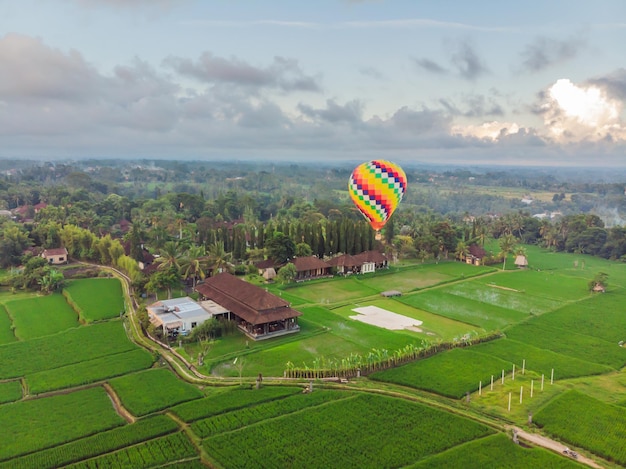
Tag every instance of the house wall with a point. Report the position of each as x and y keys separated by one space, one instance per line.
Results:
x=368 y=267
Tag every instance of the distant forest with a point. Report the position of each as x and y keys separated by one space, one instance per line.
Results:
x=234 y=214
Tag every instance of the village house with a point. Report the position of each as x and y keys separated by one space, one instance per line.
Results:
x=258 y=313
x=55 y=256
x=311 y=267
x=363 y=263
x=476 y=255
x=181 y=315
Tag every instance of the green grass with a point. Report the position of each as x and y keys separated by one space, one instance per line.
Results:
x=236 y=419
x=452 y=373
x=366 y=431
x=6 y=330
x=95 y=445
x=331 y=291
x=539 y=360
x=36 y=424
x=567 y=341
x=10 y=391
x=96 y=298
x=495 y=451
x=231 y=399
x=89 y=371
x=481 y=315
x=588 y=423
x=152 y=453
x=41 y=316
x=152 y=390
x=508 y=299
x=72 y=346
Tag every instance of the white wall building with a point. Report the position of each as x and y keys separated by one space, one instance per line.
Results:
x=178 y=314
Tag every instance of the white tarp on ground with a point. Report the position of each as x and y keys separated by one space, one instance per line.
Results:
x=382 y=318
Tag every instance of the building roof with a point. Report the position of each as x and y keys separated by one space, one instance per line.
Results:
x=521 y=260
x=55 y=252
x=371 y=256
x=477 y=251
x=175 y=310
x=345 y=260
x=266 y=264
x=309 y=263
x=251 y=303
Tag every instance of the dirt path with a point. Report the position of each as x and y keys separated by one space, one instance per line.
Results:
x=552 y=445
x=117 y=404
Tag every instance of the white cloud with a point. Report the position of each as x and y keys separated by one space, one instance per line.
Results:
x=488 y=130
x=581 y=112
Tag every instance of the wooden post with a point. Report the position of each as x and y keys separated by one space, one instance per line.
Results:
x=552 y=376
x=524 y=366
x=480 y=388
x=491 y=383
x=513 y=374
x=542 y=382
x=521 y=393
x=502 y=376
x=509 y=402
x=532 y=382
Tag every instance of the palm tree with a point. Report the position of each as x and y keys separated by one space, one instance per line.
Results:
x=170 y=256
x=462 y=250
x=194 y=264
x=219 y=259
x=507 y=246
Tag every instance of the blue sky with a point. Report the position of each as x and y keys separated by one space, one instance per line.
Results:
x=483 y=82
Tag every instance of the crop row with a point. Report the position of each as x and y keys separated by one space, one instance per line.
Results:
x=495 y=451
x=229 y=400
x=10 y=391
x=569 y=341
x=153 y=390
x=452 y=373
x=380 y=432
x=151 y=453
x=601 y=316
x=41 y=316
x=540 y=360
x=95 y=445
x=95 y=299
x=586 y=422
x=89 y=371
x=268 y=410
x=72 y=346
x=34 y=424
x=6 y=330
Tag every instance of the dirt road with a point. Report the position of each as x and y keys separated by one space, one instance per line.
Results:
x=552 y=445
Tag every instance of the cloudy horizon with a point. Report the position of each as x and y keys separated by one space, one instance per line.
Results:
x=538 y=84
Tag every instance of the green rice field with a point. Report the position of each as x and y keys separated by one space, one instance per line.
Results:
x=95 y=299
x=41 y=316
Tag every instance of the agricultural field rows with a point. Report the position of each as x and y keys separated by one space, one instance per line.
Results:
x=587 y=423
x=365 y=431
x=95 y=299
x=95 y=445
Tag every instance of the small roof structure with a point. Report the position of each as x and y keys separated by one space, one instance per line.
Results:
x=521 y=261
x=177 y=312
x=389 y=293
x=251 y=303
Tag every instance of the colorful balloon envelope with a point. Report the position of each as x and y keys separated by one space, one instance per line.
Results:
x=376 y=188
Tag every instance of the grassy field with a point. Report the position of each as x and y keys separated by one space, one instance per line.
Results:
x=41 y=316
x=6 y=330
x=36 y=424
x=95 y=299
x=152 y=390
x=366 y=431
x=546 y=313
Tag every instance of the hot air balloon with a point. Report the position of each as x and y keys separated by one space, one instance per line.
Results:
x=376 y=188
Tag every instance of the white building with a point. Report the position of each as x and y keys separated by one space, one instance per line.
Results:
x=180 y=314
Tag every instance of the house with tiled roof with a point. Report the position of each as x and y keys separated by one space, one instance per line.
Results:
x=371 y=261
x=55 y=256
x=345 y=264
x=311 y=267
x=258 y=313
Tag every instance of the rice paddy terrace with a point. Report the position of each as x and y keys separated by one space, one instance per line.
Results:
x=76 y=391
